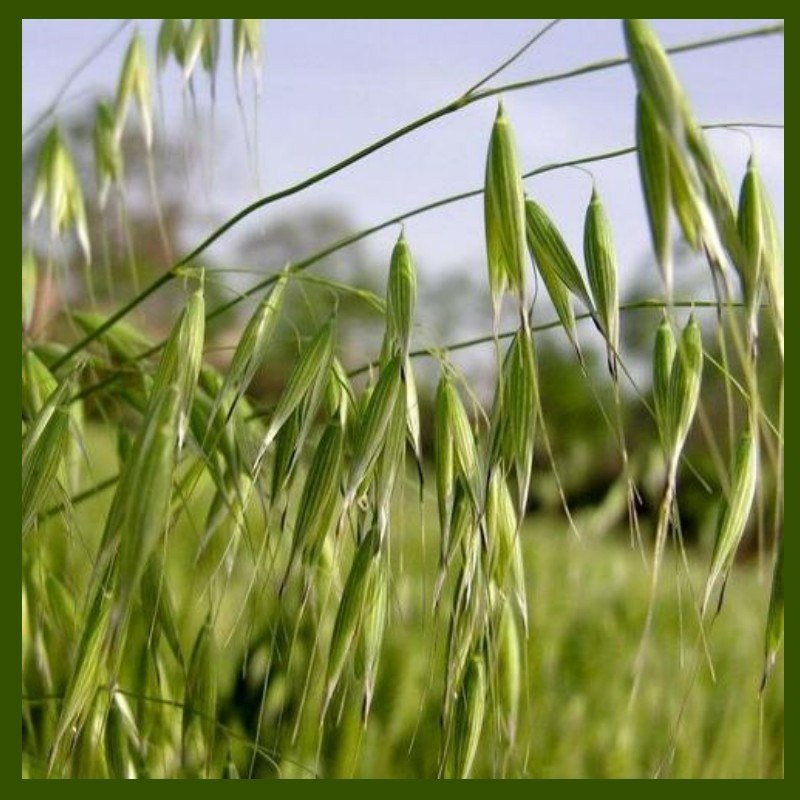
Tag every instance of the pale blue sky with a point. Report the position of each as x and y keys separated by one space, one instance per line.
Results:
x=333 y=86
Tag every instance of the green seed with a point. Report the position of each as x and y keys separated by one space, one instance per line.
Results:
x=134 y=83
x=371 y=641
x=470 y=710
x=373 y=425
x=309 y=379
x=715 y=186
x=182 y=358
x=686 y=201
x=108 y=164
x=752 y=232
x=552 y=256
x=509 y=671
x=601 y=268
x=654 y=75
x=401 y=296
x=320 y=496
x=443 y=458
x=202 y=46
x=684 y=386
x=251 y=349
x=146 y=490
x=514 y=413
x=57 y=184
x=171 y=42
x=737 y=511
x=90 y=665
x=349 y=617
x=504 y=213
x=653 y=155
x=246 y=43
x=43 y=451
x=663 y=359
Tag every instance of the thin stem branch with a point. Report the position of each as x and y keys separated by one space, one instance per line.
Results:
x=637 y=305
x=613 y=63
x=511 y=59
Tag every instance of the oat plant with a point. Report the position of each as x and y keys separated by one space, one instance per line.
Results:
x=346 y=580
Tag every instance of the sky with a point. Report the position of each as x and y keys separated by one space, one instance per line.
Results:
x=331 y=87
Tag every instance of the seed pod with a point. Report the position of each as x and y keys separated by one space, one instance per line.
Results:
x=57 y=184
x=601 y=268
x=505 y=565
x=38 y=383
x=43 y=451
x=684 y=386
x=686 y=201
x=171 y=42
x=134 y=82
x=339 y=399
x=774 y=633
x=654 y=75
x=444 y=458
x=107 y=151
x=144 y=492
x=514 y=413
x=318 y=502
x=349 y=617
x=373 y=425
x=551 y=254
x=714 y=184
x=251 y=349
x=400 y=297
x=246 y=43
x=470 y=710
x=371 y=640
x=663 y=359
x=653 y=155
x=309 y=379
x=737 y=511
x=752 y=230
x=388 y=465
x=181 y=360
x=504 y=213
x=412 y=413
x=509 y=671
x=202 y=45
x=89 y=668
x=464 y=450
x=773 y=263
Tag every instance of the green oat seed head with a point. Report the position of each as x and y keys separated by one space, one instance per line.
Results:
x=134 y=84
x=247 y=44
x=504 y=213
x=171 y=42
x=56 y=185
x=736 y=513
x=654 y=173
x=601 y=269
